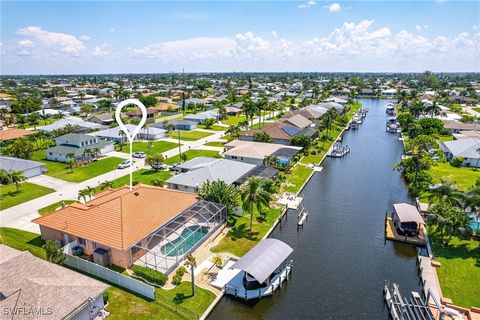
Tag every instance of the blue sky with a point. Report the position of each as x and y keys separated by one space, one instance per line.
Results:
x=110 y=37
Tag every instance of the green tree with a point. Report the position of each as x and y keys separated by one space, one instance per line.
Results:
x=71 y=160
x=148 y=101
x=450 y=222
x=16 y=176
x=83 y=194
x=233 y=131
x=209 y=123
x=301 y=141
x=155 y=160
x=220 y=192
x=86 y=109
x=54 y=253
x=33 y=120
x=192 y=263
x=262 y=137
x=20 y=148
x=253 y=195
x=106 y=185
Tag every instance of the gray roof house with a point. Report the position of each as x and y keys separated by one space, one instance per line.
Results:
x=31 y=286
x=220 y=169
x=85 y=126
x=28 y=168
x=196 y=163
x=77 y=144
x=468 y=149
x=116 y=134
x=178 y=124
x=202 y=116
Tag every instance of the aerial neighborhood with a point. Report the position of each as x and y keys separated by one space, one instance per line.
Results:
x=218 y=165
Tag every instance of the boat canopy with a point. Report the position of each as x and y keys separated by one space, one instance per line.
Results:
x=264 y=258
x=407 y=213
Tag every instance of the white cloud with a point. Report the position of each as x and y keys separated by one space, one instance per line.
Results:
x=307 y=4
x=111 y=29
x=84 y=38
x=274 y=34
x=334 y=7
x=102 y=51
x=49 y=43
x=420 y=28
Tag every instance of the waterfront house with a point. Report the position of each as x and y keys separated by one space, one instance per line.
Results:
x=468 y=149
x=78 y=144
x=117 y=135
x=84 y=126
x=37 y=289
x=146 y=225
x=225 y=170
x=256 y=152
x=407 y=219
x=283 y=130
x=28 y=168
x=100 y=118
x=185 y=125
x=310 y=113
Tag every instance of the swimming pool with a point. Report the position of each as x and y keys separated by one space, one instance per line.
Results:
x=474 y=223
x=190 y=236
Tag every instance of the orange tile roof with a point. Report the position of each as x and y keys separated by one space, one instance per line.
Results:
x=10 y=134
x=120 y=218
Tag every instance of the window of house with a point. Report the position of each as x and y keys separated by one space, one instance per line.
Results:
x=82 y=241
x=95 y=245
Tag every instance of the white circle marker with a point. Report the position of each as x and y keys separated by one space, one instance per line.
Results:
x=131 y=136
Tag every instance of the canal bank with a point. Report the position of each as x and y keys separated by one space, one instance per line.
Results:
x=340 y=256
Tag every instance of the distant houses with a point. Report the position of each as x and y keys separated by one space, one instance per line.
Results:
x=117 y=135
x=202 y=116
x=186 y=125
x=77 y=144
x=84 y=126
x=101 y=118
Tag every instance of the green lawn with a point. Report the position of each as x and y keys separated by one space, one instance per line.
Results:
x=144 y=176
x=296 y=178
x=316 y=158
x=214 y=127
x=215 y=144
x=240 y=240
x=155 y=147
x=189 y=135
x=193 y=154
x=62 y=170
x=476 y=109
x=445 y=138
x=54 y=206
x=233 y=120
x=123 y=304
x=23 y=240
x=463 y=177
x=176 y=303
x=459 y=274
x=28 y=191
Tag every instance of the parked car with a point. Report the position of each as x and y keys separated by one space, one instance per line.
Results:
x=173 y=167
x=139 y=154
x=161 y=166
x=124 y=164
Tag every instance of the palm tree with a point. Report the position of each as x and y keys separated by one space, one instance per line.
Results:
x=249 y=108
x=447 y=192
x=33 y=120
x=83 y=194
x=192 y=263
x=217 y=262
x=4 y=176
x=21 y=119
x=71 y=160
x=253 y=195
x=234 y=131
x=87 y=153
x=91 y=192
x=106 y=185
x=449 y=221
x=16 y=177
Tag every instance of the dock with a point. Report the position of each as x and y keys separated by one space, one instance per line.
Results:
x=392 y=234
x=302 y=216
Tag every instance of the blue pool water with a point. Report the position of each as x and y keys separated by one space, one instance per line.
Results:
x=474 y=224
x=190 y=236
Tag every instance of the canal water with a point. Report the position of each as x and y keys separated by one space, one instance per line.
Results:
x=341 y=259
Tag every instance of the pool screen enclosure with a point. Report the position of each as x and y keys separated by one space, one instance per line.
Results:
x=167 y=246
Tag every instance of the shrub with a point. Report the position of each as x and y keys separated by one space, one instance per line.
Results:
x=313 y=152
x=181 y=271
x=177 y=279
x=150 y=275
x=457 y=161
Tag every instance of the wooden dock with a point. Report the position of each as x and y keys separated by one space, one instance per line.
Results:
x=392 y=234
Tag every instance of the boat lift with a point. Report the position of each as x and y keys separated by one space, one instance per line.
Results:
x=302 y=217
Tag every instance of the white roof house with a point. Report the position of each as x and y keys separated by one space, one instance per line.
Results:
x=115 y=134
x=256 y=152
x=84 y=125
x=468 y=148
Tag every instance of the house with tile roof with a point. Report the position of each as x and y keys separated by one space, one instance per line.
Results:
x=146 y=225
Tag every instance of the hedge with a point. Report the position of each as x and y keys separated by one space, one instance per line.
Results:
x=150 y=275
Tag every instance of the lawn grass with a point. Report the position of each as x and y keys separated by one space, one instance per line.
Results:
x=176 y=303
x=144 y=176
x=233 y=120
x=239 y=240
x=463 y=177
x=445 y=138
x=476 y=109
x=189 y=135
x=23 y=240
x=54 y=206
x=28 y=191
x=123 y=304
x=62 y=171
x=215 y=144
x=296 y=178
x=214 y=127
x=459 y=274
x=193 y=154
x=316 y=158
x=155 y=147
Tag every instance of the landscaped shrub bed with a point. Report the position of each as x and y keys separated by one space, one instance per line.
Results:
x=150 y=275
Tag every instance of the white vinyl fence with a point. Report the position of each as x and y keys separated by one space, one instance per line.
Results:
x=119 y=279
